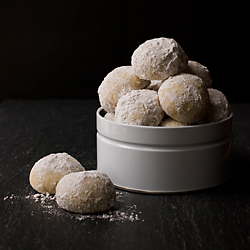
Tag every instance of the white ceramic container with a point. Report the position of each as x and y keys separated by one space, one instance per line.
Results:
x=164 y=160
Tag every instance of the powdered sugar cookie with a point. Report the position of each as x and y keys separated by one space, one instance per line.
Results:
x=219 y=107
x=184 y=98
x=85 y=192
x=47 y=172
x=139 y=107
x=155 y=85
x=110 y=116
x=196 y=68
x=169 y=122
x=117 y=83
x=159 y=58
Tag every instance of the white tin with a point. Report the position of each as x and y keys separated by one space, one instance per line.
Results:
x=164 y=160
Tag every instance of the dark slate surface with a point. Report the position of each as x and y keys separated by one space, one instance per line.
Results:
x=217 y=218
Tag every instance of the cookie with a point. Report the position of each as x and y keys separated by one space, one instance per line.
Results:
x=159 y=58
x=116 y=84
x=184 y=98
x=139 y=107
x=85 y=192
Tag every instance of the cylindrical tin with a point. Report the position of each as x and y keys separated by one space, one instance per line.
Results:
x=164 y=160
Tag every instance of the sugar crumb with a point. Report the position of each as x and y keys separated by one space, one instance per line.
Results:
x=121 y=212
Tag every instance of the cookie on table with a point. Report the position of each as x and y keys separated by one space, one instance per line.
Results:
x=47 y=172
x=86 y=192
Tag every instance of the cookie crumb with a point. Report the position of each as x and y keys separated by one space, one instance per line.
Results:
x=121 y=212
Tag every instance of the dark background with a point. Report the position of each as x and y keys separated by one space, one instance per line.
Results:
x=64 y=49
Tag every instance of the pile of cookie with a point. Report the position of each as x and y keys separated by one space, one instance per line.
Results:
x=162 y=87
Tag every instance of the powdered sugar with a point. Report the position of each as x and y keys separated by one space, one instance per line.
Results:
x=12 y=196
x=122 y=211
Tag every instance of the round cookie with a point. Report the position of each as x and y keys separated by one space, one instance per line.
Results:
x=219 y=107
x=159 y=58
x=184 y=98
x=110 y=116
x=155 y=85
x=117 y=83
x=85 y=192
x=196 y=68
x=139 y=107
x=169 y=122
x=47 y=172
